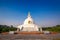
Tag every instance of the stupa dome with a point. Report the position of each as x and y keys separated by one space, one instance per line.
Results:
x=28 y=20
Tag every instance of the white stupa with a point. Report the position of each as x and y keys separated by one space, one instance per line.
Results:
x=28 y=25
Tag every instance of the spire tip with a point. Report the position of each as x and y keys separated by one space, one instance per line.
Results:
x=29 y=14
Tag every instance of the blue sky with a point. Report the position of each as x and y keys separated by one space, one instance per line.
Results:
x=43 y=12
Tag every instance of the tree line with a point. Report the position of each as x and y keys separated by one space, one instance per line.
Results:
x=5 y=28
x=53 y=28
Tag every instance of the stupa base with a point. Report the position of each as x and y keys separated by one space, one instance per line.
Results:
x=29 y=32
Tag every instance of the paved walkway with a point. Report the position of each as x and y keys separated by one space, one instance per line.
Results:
x=29 y=37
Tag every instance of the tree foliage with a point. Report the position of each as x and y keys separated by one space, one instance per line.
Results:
x=5 y=28
x=53 y=29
